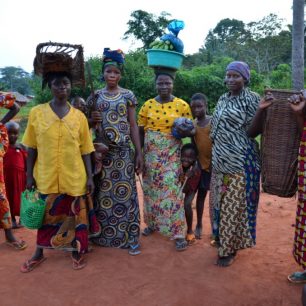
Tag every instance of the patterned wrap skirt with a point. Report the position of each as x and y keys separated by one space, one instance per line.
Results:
x=5 y=214
x=235 y=200
x=299 y=247
x=68 y=223
x=163 y=201
x=116 y=200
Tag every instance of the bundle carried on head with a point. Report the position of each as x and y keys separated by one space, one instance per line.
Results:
x=168 y=51
x=58 y=57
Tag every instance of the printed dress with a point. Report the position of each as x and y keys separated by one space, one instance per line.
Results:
x=235 y=175
x=5 y=214
x=115 y=198
x=163 y=201
x=299 y=249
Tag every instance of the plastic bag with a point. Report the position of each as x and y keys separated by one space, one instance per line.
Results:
x=32 y=209
x=181 y=126
x=174 y=27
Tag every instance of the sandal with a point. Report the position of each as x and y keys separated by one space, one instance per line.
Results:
x=198 y=232
x=134 y=249
x=31 y=264
x=181 y=244
x=147 y=231
x=17 y=245
x=191 y=239
x=215 y=243
x=78 y=264
x=297 y=278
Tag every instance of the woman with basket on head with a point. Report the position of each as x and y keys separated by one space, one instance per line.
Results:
x=113 y=109
x=7 y=101
x=59 y=165
x=163 y=200
x=235 y=164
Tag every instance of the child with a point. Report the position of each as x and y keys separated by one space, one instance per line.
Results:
x=203 y=143
x=78 y=103
x=14 y=163
x=192 y=175
x=7 y=101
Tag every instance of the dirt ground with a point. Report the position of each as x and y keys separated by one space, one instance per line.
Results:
x=161 y=276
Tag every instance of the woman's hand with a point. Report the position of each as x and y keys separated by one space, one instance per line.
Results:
x=297 y=102
x=101 y=147
x=266 y=101
x=90 y=186
x=30 y=184
x=138 y=163
x=96 y=117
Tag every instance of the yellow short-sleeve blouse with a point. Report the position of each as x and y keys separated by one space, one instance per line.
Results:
x=60 y=144
x=160 y=116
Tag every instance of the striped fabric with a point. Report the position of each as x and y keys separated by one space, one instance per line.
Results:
x=229 y=124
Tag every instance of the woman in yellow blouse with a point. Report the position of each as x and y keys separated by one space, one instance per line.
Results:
x=163 y=203
x=59 y=166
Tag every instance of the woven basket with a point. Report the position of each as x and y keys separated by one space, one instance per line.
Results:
x=57 y=57
x=279 y=146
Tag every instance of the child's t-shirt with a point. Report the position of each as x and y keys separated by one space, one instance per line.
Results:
x=192 y=182
x=204 y=146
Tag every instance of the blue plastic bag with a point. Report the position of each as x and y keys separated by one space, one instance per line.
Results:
x=175 y=27
x=182 y=124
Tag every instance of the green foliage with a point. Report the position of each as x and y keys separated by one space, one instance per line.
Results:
x=146 y=27
x=15 y=79
x=281 y=77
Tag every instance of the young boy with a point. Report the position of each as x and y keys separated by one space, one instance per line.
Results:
x=191 y=179
x=203 y=143
x=14 y=164
x=78 y=103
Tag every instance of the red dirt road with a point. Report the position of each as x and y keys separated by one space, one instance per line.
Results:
x=160 y=276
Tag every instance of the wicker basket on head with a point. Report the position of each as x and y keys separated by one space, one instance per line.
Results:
x=279 y=146
x=58 y=57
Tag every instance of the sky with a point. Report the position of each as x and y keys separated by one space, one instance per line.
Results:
x=97 y=24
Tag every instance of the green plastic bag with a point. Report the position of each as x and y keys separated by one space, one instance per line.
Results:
x=32 y=210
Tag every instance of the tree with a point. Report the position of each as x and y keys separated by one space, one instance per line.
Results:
x=15 y=79
x=146 y=27
x=298 y=45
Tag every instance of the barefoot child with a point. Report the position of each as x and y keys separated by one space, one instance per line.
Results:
x=7 y=101
x=14 y=163
x=203 y=143
x=191 y=179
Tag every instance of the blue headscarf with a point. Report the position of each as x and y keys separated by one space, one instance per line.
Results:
x=240 y=67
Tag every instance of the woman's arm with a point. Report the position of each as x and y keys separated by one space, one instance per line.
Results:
x=135 y=138
x=11 y=113
x=257 y=123
x=32 y=156
x=88 y=167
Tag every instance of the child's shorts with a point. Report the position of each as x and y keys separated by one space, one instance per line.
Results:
x=204 y=180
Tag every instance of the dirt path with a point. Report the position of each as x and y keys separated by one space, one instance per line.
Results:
x=160 y=276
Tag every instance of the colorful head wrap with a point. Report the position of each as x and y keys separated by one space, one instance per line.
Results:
x=241 y=67
x=113 y=57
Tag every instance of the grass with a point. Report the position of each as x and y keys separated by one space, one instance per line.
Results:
x=21 y=117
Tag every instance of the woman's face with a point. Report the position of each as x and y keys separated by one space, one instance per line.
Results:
x=234 y=81
x=112 y=75
x=61 y=87
x=164 y=85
